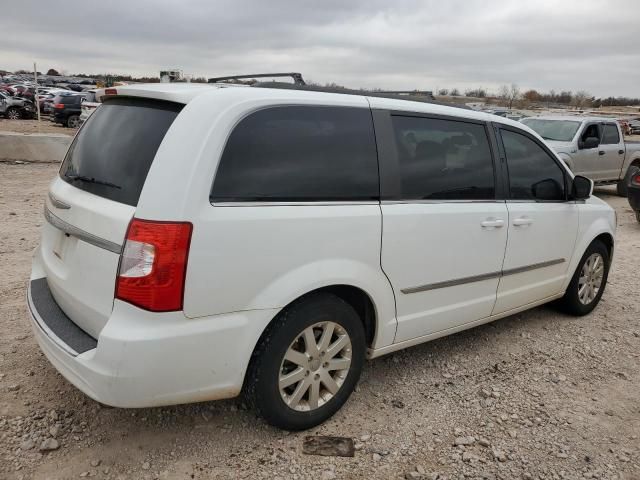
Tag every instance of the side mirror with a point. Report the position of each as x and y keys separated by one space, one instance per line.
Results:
x=589 y=142
x=581 y=188
x=547 y=189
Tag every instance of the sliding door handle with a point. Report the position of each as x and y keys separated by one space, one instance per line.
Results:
x=522 y=221
x=601 y=152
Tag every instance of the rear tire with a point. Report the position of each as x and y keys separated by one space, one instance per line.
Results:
x=588 y=282
x=621 y=188
x=293 y=348
x=73 y=121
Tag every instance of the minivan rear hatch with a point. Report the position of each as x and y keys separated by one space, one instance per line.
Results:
x=92 y=201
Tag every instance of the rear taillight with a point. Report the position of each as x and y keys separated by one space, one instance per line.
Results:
x=635 y=180
x=153 y=265
x=111 y=91
x=59 y=105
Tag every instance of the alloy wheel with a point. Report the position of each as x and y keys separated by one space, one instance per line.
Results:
x=315 y=366
x=590 y=280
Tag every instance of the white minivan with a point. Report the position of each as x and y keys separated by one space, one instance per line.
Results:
x=204 y=241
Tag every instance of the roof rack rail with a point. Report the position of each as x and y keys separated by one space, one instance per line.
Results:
x=297 y=77
x=423 y=96
x=413 y=96
x=418 y=93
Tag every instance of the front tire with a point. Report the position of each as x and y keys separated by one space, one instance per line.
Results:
x=588 y=282
x=623 y=185
x=14 y=113
x=307 y=363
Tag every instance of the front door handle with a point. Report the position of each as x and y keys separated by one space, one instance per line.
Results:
x=601 y=152
x=492 y=223
x=620 y=152
x=522 y=221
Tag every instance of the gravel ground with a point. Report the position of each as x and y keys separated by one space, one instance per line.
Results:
x=538 y=395
x=31 y=126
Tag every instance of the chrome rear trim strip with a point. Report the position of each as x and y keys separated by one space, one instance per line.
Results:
x=81 y=234
x=479 y=278
x=58 y=203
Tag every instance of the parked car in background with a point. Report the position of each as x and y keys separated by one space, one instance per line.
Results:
x=66 y=110
x=590 y=146
x=634 y=125
x=633 y=193
x=89 y=103
x=16 y=107
x=206 y=240
x=48 y=101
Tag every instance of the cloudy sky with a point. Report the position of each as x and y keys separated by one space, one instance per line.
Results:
x=395 y=44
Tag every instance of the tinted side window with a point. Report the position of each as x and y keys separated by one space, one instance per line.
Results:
x=443 y=159
x=610 y=134
x=533 y=174
x=300 y=153
x=592 y=130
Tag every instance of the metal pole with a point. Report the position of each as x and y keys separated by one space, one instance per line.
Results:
x=37 y=103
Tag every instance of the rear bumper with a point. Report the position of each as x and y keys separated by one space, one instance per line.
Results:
x=144 y=359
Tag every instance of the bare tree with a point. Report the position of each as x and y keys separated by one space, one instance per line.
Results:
x=443 y=91
x=509 y=94
x=455 y=92
x=582 y=99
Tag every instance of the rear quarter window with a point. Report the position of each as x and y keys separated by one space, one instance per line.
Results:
x=112 y=153
x=300 y=153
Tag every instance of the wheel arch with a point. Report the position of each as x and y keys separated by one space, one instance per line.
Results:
x=361 y=301
x=608 y=241
x=599 y=230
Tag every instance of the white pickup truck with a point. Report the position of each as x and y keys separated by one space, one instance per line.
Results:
x=590 y=146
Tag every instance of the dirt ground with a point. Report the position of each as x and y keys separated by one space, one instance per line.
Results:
x=538 y=395
x=31 y=126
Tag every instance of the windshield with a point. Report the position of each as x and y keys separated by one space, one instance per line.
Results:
x=112 y=153
x=554 y=130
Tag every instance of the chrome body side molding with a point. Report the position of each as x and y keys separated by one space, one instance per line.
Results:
x=479 y=278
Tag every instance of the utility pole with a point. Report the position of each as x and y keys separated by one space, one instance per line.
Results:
x=35 y=98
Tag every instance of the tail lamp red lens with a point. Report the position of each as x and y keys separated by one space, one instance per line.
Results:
x=59 y=105
x=153 y=265
x=635 y=180
x=111 y=91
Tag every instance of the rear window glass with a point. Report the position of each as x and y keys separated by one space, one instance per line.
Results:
x=70 y=99
x=112 y=153
x=300 y=153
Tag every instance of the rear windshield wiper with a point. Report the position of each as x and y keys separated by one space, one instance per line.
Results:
x=84 y=178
